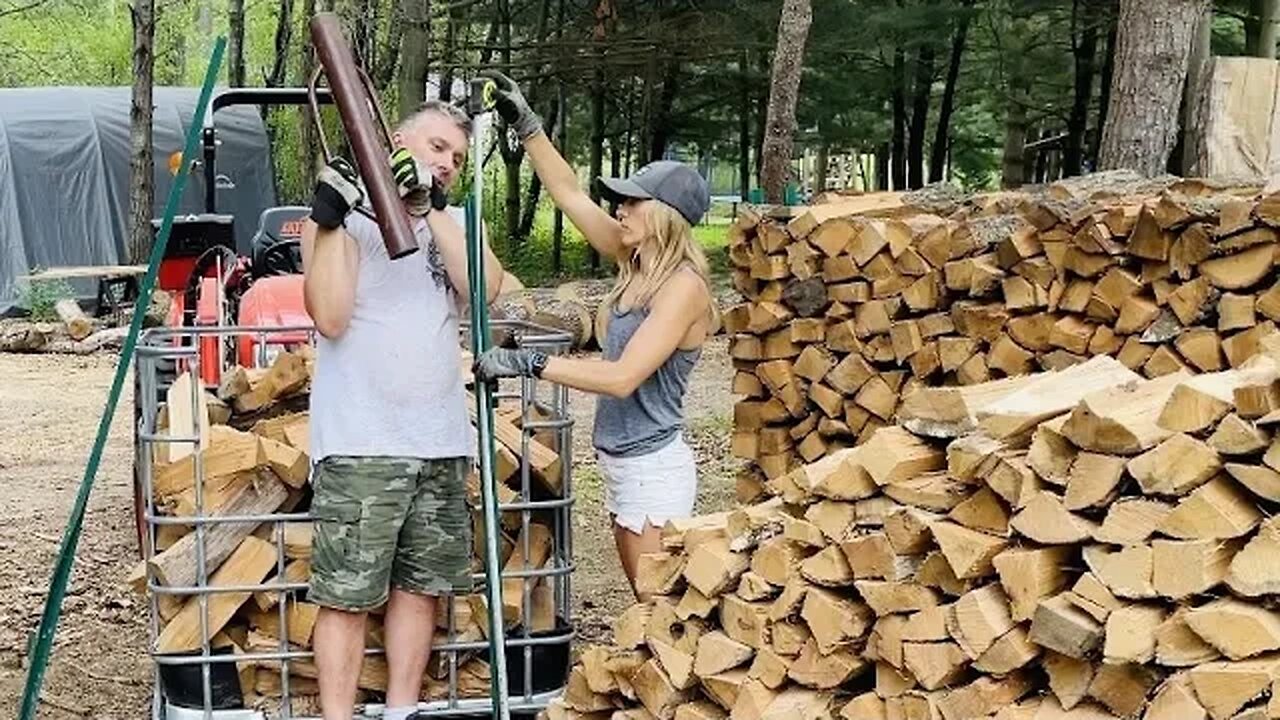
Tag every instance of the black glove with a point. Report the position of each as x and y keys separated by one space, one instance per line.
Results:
x=336 y=194
x=504 y=362
x=418 y=194
x=512 y=106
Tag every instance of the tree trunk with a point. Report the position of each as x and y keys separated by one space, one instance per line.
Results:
x=384 y=77
x=882 y=166
x=141 y=163
x=449 y=55
x=1193 y=98
x=1078 y=120
x=1013 y=167
x=1251 y=27
x=648 y=83
x=660 y=136
x=820 y=169
x=530 y=209
x=520 y=232
x=942 y=137
x=284 y=36
x=744 y=129
x=899 y=157
x=596 y=161
x=1152 y=51
x=1041 y=155
x=761 y=116
x=235 y=43
x=602 y=12
x=411 y=79
x=310 y=143
x=562 y=143
x=512 y=156
x=1264 y=42
x=919 y=115
x=629 y=152
x=1104 y=93
x=788 y=60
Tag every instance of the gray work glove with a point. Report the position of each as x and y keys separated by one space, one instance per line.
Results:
x=504 y=362
x=337 y=193
x=512 y=106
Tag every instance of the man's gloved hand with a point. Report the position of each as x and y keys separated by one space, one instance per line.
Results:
x=417 y=186
x=512 y=106
x=404 y=168
x=504 y=362
x=336 y=194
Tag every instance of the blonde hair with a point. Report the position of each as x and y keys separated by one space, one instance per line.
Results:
x=669 y=245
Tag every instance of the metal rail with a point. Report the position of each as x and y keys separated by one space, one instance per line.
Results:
x=164 y=354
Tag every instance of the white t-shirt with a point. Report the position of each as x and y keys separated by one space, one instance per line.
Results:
x=391 y=384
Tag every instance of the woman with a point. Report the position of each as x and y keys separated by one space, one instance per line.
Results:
x=652 y=326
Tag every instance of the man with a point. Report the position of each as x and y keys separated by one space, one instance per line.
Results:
x=390 y=434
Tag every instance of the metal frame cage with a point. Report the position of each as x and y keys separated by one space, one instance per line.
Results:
x=205 y=683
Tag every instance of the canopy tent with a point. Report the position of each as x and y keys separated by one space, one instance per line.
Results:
x=64 y=175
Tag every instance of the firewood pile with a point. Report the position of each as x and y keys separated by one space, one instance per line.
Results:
x=1085 y=542
x=850 y=306
x=253 y=449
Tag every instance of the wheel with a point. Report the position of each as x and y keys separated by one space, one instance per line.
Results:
x=282 y=258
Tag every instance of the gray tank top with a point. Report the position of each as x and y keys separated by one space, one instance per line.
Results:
x=653 y=415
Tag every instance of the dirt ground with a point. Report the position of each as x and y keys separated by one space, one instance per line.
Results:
x=51 y=407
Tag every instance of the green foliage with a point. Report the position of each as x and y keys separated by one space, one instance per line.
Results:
x=692 y=72
x=40 y=296
x=67 y=42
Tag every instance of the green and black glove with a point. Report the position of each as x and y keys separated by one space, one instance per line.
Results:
x=336 y=194
x=512 y=106
x=417 y=192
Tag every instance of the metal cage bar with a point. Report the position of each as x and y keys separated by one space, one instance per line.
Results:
x=165 y=354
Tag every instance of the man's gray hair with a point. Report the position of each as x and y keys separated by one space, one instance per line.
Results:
x=439 y=107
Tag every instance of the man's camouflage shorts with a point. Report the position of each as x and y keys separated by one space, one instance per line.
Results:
x=384 y=522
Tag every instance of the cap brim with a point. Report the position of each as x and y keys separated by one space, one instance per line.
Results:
x=616 y=189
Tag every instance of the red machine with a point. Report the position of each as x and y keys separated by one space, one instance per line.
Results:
x=214 y=285
x=217 y=287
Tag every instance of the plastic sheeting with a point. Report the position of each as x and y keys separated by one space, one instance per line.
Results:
x=64 y=175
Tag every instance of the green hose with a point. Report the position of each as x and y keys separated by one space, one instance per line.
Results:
x=42 y=642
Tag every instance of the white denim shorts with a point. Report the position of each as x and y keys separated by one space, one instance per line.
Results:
x=656 y=487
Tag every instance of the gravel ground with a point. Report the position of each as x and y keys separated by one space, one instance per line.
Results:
x=51 y=409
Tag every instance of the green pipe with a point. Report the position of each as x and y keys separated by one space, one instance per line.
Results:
x=484 y=428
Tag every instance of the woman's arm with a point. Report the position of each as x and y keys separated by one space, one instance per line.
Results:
x=602 y=231
x=597 y=226
x=679 y=304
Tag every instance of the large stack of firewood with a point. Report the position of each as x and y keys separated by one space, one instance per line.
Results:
x=1085 y=543
x=849 y=306
x=253 y=454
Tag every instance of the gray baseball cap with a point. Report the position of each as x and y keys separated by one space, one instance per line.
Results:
x=667 y=181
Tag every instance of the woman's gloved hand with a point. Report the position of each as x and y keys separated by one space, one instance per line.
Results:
x=512 y=106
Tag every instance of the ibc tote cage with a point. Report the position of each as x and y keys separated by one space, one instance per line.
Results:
x=206 y=684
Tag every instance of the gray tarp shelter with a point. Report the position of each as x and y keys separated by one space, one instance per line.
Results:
x=64 y=175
